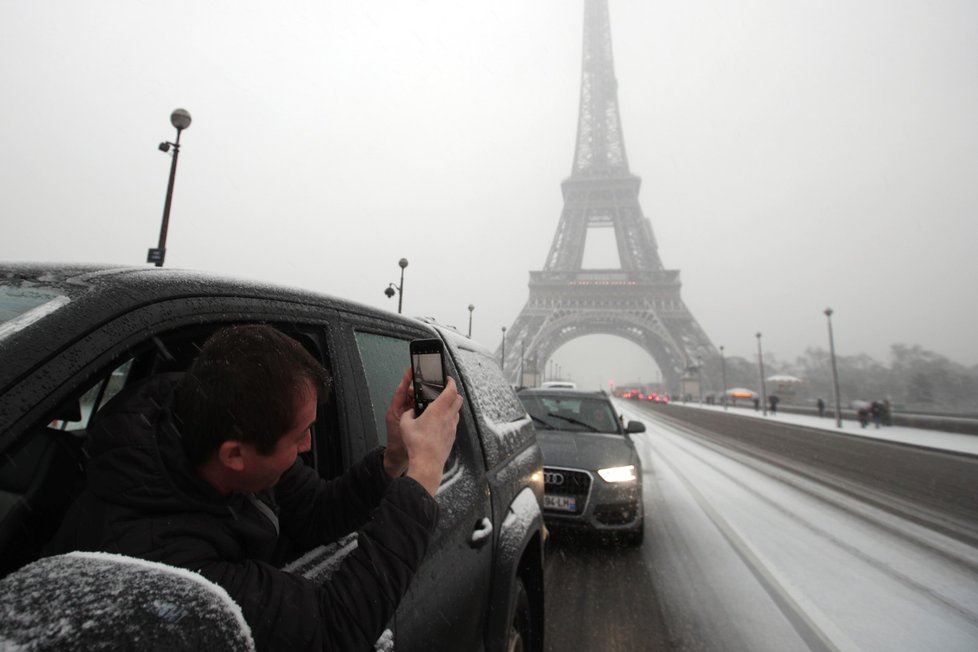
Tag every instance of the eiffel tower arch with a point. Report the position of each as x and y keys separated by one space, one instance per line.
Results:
x=640 y=301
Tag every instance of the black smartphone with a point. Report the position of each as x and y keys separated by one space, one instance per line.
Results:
x=428 y=371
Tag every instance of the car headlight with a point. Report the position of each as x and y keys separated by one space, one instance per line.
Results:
x=618 y=473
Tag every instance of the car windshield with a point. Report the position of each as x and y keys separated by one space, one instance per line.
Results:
x=747 y=226
x=571 y=414
x=15 y=301
x=22 y=304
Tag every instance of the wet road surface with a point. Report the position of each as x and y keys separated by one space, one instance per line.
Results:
x=769 y=537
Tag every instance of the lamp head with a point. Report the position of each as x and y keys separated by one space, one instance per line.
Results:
x=180 y=119
x=403 y=263
x=389 y=292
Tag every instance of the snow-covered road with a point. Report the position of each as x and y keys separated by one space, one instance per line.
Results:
x=746 y=555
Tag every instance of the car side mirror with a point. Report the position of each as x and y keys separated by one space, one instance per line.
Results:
x=635 y=426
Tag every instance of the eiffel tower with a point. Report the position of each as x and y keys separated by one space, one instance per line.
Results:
x=640 y=301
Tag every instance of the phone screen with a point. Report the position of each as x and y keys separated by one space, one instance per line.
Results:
x=428 y=369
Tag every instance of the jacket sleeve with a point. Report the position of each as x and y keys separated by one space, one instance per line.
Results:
x=312 y=511
x=351 y=610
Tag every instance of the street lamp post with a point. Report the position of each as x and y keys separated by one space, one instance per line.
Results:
x=502 y=356
x=522 y=361
x=471 y=308
x=180 y=119
x=723 y=373
x=400 y=290
x=835 y=371
x=391 y=287
x=760 y=362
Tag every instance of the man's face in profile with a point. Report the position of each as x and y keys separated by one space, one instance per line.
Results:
x=264 y=471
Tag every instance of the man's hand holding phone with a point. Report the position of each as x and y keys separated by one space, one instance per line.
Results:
x=430 y=437
x=422 y=417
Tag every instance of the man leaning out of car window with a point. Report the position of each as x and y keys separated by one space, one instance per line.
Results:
x=201 y=470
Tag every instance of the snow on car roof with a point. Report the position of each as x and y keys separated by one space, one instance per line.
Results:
x=84 y=600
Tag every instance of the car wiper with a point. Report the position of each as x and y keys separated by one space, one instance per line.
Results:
x=546 y=424
x=574 y=421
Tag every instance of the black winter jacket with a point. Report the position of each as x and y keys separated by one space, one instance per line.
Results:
x=144 y=500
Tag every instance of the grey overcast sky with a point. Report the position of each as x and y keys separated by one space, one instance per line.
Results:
x=794 y=154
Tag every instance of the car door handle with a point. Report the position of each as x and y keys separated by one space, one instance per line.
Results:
x=482 y=533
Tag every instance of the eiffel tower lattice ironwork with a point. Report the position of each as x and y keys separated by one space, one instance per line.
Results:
x=640 y=301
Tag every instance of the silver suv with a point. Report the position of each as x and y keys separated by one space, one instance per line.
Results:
x=592 y=474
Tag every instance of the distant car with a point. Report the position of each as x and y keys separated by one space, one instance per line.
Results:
x=72 y=337
x=592 y=473
x=629 y=393
x=559 y=384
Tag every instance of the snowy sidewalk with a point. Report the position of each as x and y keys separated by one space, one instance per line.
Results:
x=930 y=438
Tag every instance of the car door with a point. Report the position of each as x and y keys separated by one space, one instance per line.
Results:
x=446 y=605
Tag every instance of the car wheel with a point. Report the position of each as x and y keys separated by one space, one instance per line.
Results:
x=520 y=625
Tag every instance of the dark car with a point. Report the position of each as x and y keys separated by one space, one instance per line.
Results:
x=592 y=474
x=72 y=337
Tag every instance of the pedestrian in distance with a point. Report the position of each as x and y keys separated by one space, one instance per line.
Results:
x=773 y=400
x=876 y=409
x=821 y=407
x=201 y=470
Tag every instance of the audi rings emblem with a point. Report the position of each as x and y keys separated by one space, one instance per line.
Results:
x=553 y=478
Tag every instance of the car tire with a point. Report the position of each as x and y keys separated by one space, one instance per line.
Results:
x=520 y=635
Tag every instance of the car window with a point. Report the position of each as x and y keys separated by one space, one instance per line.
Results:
x=384 y=360
x=22 y=306
x=15 y=301
x=89 y=403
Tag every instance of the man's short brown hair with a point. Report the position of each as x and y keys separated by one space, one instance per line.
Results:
x=244 y=385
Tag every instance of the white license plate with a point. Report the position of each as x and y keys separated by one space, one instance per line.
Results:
x=563 y=503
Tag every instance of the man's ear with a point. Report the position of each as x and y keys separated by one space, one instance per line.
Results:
x=229 y=454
